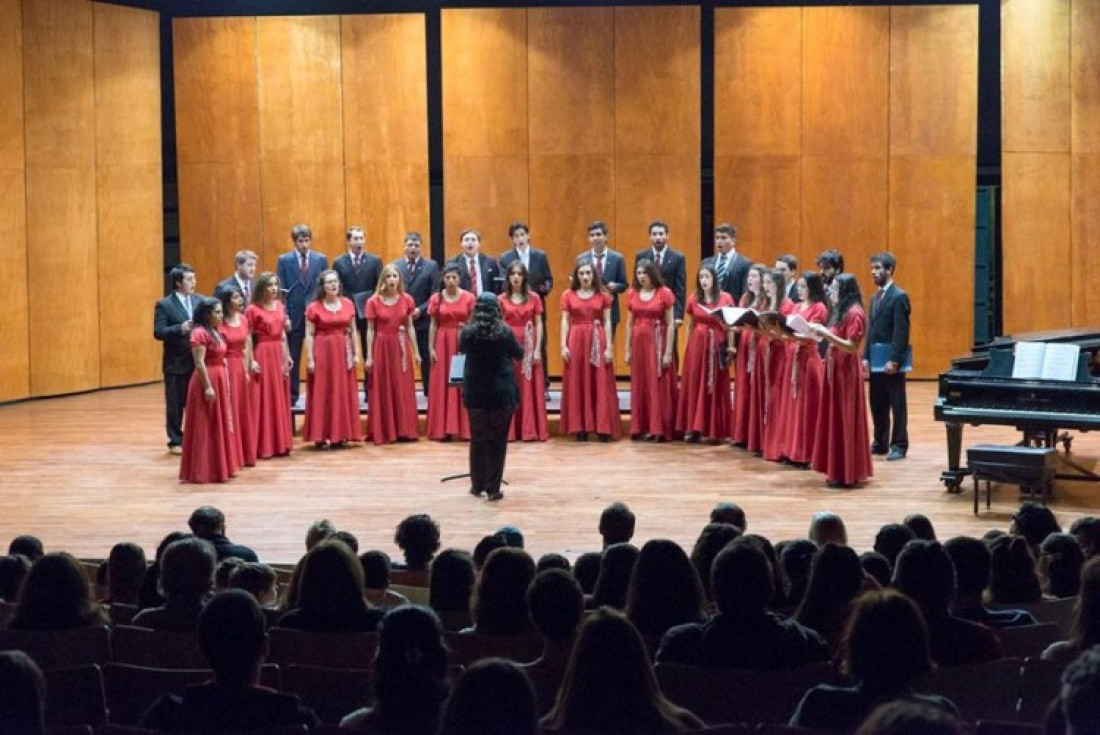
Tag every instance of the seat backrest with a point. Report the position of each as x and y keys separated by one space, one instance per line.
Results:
x=121 y=613
x=982 y=691
x=62 y=648
x=999 y=727
x=1027 y=640
x=1040 y=684
x=75 y=696
x=332 y=693
x=131 y=689
x=326 y=650
x=467 y=648
x=1047 y=611
x=415 y=595
x=157 y=648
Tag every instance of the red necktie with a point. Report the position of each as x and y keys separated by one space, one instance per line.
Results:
x=599 y=265
x=304 y=267
x=473 y=275
x=358 y=260
x=658 y=263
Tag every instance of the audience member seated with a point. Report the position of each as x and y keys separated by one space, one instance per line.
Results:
x=418 y=538
x=513 y=537
x=836 y=579
x=125 y=571
x=376 y=577
x=410 y=675
x=186 y=577
x=553 y=560
x=1087 y=532
x=729 y=513
x=826 y=527
x=924 y=573
x=610 y=687
x=150 y=584
x=452 y=587
x=487 y=545
x=908 y=717
x=885 y=651
x=616 y=568
x=224 y=570
x=1012 y=576
x=1034 y=522
x=586 y=570
x=233 y=640
x=330 y=593
x=348 y=538
x=13 y=569
x=796 y=556
x=55 y=596
x=1059 y=565
x=744 y=634
x=921 y=526
x=258 y=580
x=713 y=538
x=664 y=590
x=1078 y=705
x=781 y=597
x=28 y=546
x=500 y=607
x=970 y=558
x=557 y=606
x=493 y=697
x=318 y=531
x=877 y=567
x=1086 y=618
x=616 y=524
x=208 y=523
x=891 y=539
x=22 y=694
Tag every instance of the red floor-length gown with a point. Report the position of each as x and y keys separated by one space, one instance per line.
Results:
x=529 y=420
x=805 y=374
x=842 y=450
x=446 y=413
x=271 y=387
x=209 y=446
x=392 y=384
x=705 y=407
x=776 y=391
x=240 y=388
x=743 y=385
x=589 y=399
x=652 y=386
x=332 y=406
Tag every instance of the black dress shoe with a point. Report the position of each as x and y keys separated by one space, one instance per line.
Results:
x=493 y=497
x=582 y=436
x=895 y=453
x=878 y=449
x=475 y=492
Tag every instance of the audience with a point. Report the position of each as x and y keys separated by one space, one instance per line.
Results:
x=1087 y=532
x=1079 y=700
x=909 y=717
x=22 y=694
x=1012 y=575
x=418 y=538
x=664 y=590
x=713 y=538
x=376 y=578
x=836 y=579
x=513 y=537
x=553 y=560
x=616 y=524
x=208 y=523
x=331 y=593
x=1034 y=521
x=486 y=546
x=28 y=546
x=891 y=539
x=13 y=569
x=876 y=566
x=258 y=580
x=493 y=697
x=55 y=596
x=826 y=527
x=186 y=578
x=1059 y=565
x=557 y=606
x=1085 y=632
x=500 y=606
x=348 y=538
x=318 y=531
x=921 y=526
x=224 y=570
x=451 y=588
x=971 y=560
x=150 y=585
x=613 y=582
x=126 y=568
x=729 y=513
x=796 y=557
x=587 y=570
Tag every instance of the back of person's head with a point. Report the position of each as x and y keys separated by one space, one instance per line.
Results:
x=150 y=586
x=501 y=603
x=331 y=582
x=971 y=560
x=664 y=589
x=318 y=531
x=232 y=636
x=125 y=570
x=741 y=580
x=826 y=527
x=835 y=580
x=731 y=513
x=1060 y=561
x=28 y=546
x=187 y=570
x=55 y=596
x=207 y=521
x=1034 y=522
x=257 y=579
x=712 y=539
x=1085 y=631
x=885 y=645
x=876 y=566
x=224 y=571
x=781 y=586
x=487 y=545
x=22 y=694
x=891 y=538
x=348 y=538
x=613 y=582
x=13 y=569
x=452 y=581
x=924 y=572
x=921 y=526
x=553 y=560
x=556 y=603
x=410 y=669
x=1012 y=575
x=616 y=524
x=513 y=537
x=1080 y=694
x=910 y=717
x=797 y=557
x=586 y=570
x=1087 y=532
x=418 y=538
x=493 y=697
x=376 y=569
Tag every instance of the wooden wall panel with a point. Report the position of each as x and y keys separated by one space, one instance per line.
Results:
x=217 y=140
x=14 y=358
x=485 y=193
x=11 y=71
x=762 y=196
x=1085 y=76
x=1085 y=262
x=845 y=206
x=384 y=91
x=1035 y=75
x=1036 y=240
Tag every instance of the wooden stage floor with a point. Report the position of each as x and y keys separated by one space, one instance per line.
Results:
x=82 y=472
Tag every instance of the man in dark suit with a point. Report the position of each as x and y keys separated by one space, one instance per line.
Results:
x=609 y=264
x=172 y=323
x=244 y=275
x=208 y=523
x=421 y=277
x=299 y=271
x=359 y=272
x=539 y=277
x=732 y=267
x=671 y=265
x=888 y=324
x=478 y=272
x=788 y=266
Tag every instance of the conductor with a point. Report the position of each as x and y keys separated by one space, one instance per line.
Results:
x=489 y=391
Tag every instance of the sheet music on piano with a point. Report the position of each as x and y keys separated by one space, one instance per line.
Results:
x=1046 y=361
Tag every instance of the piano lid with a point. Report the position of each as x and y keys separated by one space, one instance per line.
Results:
x=1087 y=337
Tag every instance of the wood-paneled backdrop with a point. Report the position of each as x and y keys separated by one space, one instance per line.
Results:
x=81 y=216
x=1051 y=162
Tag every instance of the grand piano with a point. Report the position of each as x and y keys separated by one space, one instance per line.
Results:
x=979 y=389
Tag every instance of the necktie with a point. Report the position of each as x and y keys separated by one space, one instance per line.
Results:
x=303 y=267
x=412 y=266
x=599 y=265
x=473 y=277
x=247 y=292
x=657 y=260
x=721 y=270
x=876 y=302
x=358 y=260
x=187 y=305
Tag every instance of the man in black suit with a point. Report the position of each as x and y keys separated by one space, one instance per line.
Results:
x=421 y=277
x=539 y=277
x=478 y=273
x=244 y=275
x=299 y=271
x=172 y=323
x=609 y=264
x=671 y=265
x=359 y=272
x=888 y=324
x=208 y=523
x=732 y=267
x=788 y=266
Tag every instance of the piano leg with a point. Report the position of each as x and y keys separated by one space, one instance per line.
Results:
x=953 y=476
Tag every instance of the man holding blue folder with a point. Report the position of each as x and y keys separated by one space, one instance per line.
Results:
x=887 y=356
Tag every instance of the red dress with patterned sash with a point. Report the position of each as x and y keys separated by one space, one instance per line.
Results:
x=210 y=449
x=332 y=405
x=240 y=387
x=271 y=388
x=652 y=385
x=705 y=407
x=743 y=385
x=842 y=450
x=805 y=371
x=529 y=420
x=392 y=404
x=776 y=390
x=446 y=412
x=589 y=399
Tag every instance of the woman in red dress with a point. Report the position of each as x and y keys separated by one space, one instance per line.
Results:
x=753 y=298
x=238 y=361
x=705 y=406
x=391 y=359
x=332 y=358
x=522 y=312
x=775 y=371
x=650 y=327
x=271 y=385
x=842 y=451
x=805 y=373
x=589 y=399
x=210 y=451
x=449 y=310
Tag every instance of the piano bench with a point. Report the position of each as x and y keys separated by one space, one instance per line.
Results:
x=1032 y=468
